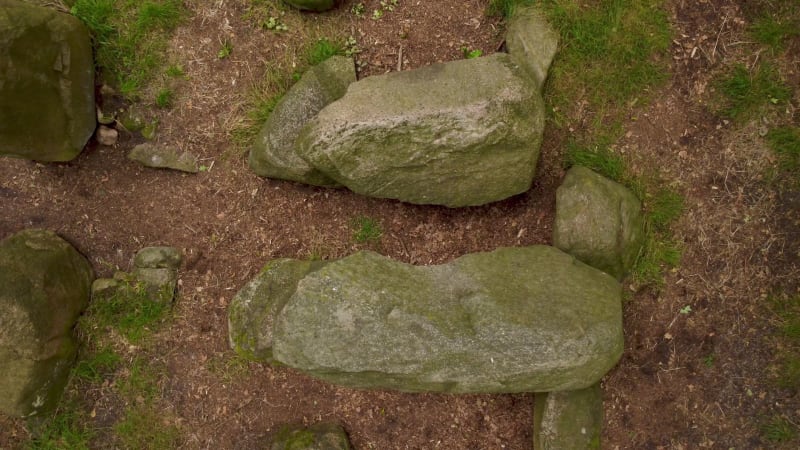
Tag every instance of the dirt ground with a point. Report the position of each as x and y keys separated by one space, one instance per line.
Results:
x=740 y=240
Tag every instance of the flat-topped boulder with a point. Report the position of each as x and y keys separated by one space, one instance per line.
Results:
x=47 y=110
x=44 y=287
x=527 y=319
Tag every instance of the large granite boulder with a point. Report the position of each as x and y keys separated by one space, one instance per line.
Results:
x=457 y=134
x=598 y=221
x=273 y=154
x=44 y=286
x=312 y=5
x=568 y=419
x=513 y=320
x=47 y=110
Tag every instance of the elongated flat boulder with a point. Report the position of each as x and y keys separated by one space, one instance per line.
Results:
x=514 y=320
x=47 y=110
x=457 y=134
x=44 y=286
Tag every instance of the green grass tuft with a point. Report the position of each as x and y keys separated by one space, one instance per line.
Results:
x=778 y=429
x=600 y=159
x=665 y=206
x=367 y=229
x=774 y=33
x=129 y=310
x=164 y=98
x=505 y=8
x=747 y=92
x=321 y=50
x=66 y=429
x=97 y=365
x=785 y=142
x=143 y=427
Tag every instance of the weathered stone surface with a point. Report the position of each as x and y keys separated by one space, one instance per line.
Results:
x=156 y=156
x=312 y=5
x=106 y=135
x=532 y=43
x=598 y=221
x=274 y=153
x=47 y=110
x=253 y=310
x=457 y=134
x=321 y=436
x=44 y=286
x=514 y=320
x=568 y=419
x=158 y=258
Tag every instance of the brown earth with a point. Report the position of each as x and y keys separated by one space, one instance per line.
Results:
x=697 y=380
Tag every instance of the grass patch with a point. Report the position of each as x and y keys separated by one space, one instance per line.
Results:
x=129 y=37
x=778 y=430
x=97 y=365
x=129 y=310
x=612 y=53
x=175 y=71
x=774 y=33
x=366 y=229
x=748 y=91
x=145 y=428
x=164 y=98
x=787 y=310
x=321 y=50
x=600 y=159
x=785 y=143
x=66 y=429
x=505 y=8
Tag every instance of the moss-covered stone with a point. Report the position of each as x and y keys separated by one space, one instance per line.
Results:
x=253 y=310
x=47 y=110
x=598 y=221
x=274 y=154
x=513 y=320
x=44 y=286
x=158 y=258
x=568 y=420
x=159 y=157
x=532 y=42
x=321 y=436
x=457 y=134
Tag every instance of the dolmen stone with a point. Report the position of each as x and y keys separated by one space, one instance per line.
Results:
x=568 y=419
x=461 y=133
x=530 y=319
x=47 y=110
x=320 y=436
x=312 y=5
x=273 y=154
x=44 y=287
x=598 y=221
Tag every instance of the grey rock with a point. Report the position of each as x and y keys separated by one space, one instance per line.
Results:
x=156 y=156
x=105 y=287
x=598 y=221
x=158 y=258
x=274 y=153
x=160 y=284
x=321 y=436
x=514 y=320
x=568 y=420
x=312 y=5
x=252 y=311
x=44 y=286
x=532 y=42
x=106 y=135
x=47 y=110
x=457 y=134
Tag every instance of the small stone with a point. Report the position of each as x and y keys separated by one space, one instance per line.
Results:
x=156 y=156
x=103 y=287
x=106 y=135
x=158 y=258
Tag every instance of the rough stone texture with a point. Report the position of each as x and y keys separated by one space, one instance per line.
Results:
x=47 y=110
x=568 y=420
x=156 y=156
x=274 y=153
x=44 y=286
x=312 y=5
x=158 y=258
x=532 y=43
x=457 y=134
x=526 y=319
x=598 y=221
x=253 y=310
x=321 y=436
x=106 y=135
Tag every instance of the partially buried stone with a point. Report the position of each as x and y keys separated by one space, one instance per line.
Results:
x=158 y=258
x=321 y=436
x=106 y=135
x=156 y=156
x=568 y=419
